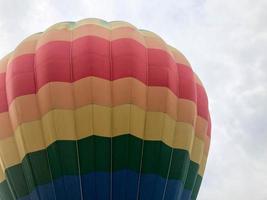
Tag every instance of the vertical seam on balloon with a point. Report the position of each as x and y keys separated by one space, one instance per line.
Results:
x=23 y=170
x=13 y=193
x=2 y=167
x=129 y=126
x=195 y=189
x=145 y=118
x=172 y=148
x=186 y=177
x=164 y=120
x=201 y=156
x=16 y=195
x=41 y=124
x=57 y=152
x=111 y=110
x=33 y=176
x=163 y=117
x=74 y=117
x=92 y=131
x=199 y=166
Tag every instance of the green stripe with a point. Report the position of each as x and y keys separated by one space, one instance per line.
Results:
x=126 y=153
x=36 y=170
x=5 y=193
x=191 y=176
x=95 y=156
x=196 y=187
x=179 y=165
x=16 y=180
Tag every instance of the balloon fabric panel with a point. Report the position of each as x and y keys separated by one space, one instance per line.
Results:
x=98 y=110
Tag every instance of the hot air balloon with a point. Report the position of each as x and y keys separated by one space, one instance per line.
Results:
x=98 y=110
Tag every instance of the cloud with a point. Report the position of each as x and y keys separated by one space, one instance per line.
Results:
x=235 y=40
x=226 y=43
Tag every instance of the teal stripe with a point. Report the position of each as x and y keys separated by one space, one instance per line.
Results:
x=36 y=169
x=126 y=153
x=196 y=187
x=95 y=156
x=5 y=193
x=179 y=165
x=192 y=175
x=17 y=181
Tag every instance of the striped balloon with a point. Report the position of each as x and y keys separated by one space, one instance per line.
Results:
x=100 y=110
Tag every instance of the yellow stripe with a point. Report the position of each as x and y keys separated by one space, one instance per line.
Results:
x=27 y=46
x=95 y=27
x=201 y=127
x=203 y=165
x=179 y=57
x=9 y=152
x=153 y=41
x=184 y=136
x=101 y=121
x=60 y=95
x=207 y=144
x=198 y=150
x=90 y=21
x=2 y=175
x=119 y=24
x=29 y=138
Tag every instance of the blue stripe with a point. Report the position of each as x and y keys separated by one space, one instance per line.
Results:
x=186 y=194
x=124 y=185
x=174 y=190
x=98 y=186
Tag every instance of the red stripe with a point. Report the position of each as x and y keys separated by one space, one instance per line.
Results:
x=202 y=102
x=91 y=56
x=129 y=59
x=52 y=63
x=20 y=77
x=162 y=70
x=187 y=86
x=3 y=99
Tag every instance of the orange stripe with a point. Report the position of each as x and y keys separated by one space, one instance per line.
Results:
x=34 y=42
x=86 y=91
x=201 y=127
x=5 y=125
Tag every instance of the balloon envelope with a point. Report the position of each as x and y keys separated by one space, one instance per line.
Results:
x=100 y=110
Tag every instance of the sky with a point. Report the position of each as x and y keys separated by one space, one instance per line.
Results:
x=226 y=44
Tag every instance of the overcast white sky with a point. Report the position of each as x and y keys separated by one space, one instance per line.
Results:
x=226 y=43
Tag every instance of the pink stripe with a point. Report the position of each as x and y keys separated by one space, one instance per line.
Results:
x=3 y=98
x=187 y=86
x=92 y=56
x=202 y=102
x=20 y=77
